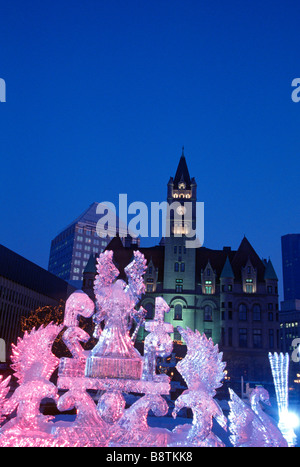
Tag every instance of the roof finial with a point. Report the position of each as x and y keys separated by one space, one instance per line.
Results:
x=182 y=151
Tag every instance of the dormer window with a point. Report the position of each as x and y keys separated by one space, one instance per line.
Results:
x=181 y=186
x=208 y=280
x=249 y=278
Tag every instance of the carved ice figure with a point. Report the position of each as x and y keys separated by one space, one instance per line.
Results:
x=78 y=304
x=4 y=389
x=88 y=429
x=158 y=342
x=114 y=356
x=34 y=363
x=250 y=426
x=115 y=340
x=133 y=429
x=111 y=406
x=203 y=370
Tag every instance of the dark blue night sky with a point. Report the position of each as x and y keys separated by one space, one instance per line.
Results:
x=101 y=96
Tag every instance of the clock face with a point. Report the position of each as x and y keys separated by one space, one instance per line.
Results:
x=181 y=186
x=181 y=210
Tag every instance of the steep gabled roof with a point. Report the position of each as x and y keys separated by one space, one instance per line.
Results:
x=244 y=252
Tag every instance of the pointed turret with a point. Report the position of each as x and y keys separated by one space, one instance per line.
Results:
x=227 y=270
x=270 y=271
x=91 y=265
x=182 y=175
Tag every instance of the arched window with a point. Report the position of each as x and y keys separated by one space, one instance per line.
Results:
x=242 y=312
x=256 y=313
x=178 y=311
x=176 y=267
x=208 y=313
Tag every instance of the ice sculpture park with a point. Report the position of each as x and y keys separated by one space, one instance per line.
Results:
x=115 y=368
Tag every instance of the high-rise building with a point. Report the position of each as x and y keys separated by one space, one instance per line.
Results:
x=290 y=248
x=230 y=295
x=290 y=307
x=73 y=246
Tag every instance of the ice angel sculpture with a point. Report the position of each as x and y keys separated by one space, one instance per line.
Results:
x=203 y=370
x=114 y=355
x=251 y=426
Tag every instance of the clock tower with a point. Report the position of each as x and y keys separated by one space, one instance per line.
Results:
x=179 y=261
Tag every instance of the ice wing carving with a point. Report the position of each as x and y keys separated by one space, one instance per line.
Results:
x=203 y=361
x=32 y=356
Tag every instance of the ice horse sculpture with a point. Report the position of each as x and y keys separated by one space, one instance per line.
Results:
x=113 y=368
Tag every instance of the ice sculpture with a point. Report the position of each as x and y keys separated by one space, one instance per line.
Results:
x=78 y=304
x=34 y=363
x=280 y=371
x=88 y=429
x=133 y=428
x=251 y=426
x=113 y=368
x=203 y=370
x=4 y=389
x=115 y=356
x=158 y=342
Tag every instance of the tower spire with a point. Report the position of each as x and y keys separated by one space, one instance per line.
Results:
x=182 y=172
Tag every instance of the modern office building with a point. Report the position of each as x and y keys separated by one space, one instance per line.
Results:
x=230 y=295
x=290 y=248
x=290 y=306
x=72 y=247
x=24 y=287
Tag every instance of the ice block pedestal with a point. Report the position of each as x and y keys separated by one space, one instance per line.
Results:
x=109 y=367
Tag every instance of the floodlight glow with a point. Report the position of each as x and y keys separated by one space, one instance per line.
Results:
x=291 y=419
